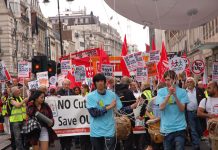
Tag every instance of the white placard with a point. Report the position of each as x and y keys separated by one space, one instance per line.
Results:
x=33 y=84
x=141 y=74
x=131 y=62
x=107 y=70
x=42 y=78
x=154 y=56
x=53 y=80
x=23 y=69
x=65 y=66
x=177 y=64
x=139 y=59
x=80 y=73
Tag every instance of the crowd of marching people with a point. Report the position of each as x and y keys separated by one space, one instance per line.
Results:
x=181 y=107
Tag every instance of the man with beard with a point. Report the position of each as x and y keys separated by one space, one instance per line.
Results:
x=207 y=107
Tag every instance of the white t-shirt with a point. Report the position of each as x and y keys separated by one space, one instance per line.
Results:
x=211 y=105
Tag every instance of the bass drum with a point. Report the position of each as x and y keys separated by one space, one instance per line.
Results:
x=123 y=127
x=154 y=130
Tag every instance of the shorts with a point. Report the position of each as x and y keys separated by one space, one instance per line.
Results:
x=44 y=135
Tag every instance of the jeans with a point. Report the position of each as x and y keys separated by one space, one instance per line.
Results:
x=175 y=141
x=15 y=132
x=85 y=143
x=195 y=128
x=103 y=143
x=66 y=142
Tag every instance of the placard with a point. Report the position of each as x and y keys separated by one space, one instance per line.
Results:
x=80 y=73
x=107 y=70
x=33 y=85
x=23 y=69
x=215 y=71
x=152 y=69
x=139 y=59
x=42 y=78
x=154 y=56
x=65 y=66
x=197 y=67
x=141 y=74
x=130 y=62
x=4 y=75
x=177 y=64
x=53 y=80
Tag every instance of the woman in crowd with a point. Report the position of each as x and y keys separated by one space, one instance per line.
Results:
x=77 y=90
x=84 y=90
x=47 y=135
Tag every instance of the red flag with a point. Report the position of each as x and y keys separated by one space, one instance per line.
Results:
x=147 y=48
x=103 y=59
x=162 y=65
x=153 y=44
x=73 y=83
x=187 y=70
x=125 y=71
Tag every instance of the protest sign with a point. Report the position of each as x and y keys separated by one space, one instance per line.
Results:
x=131 y=62
x=42 y=78
x=107 y=70
x=4 y=75
x=33 y=84
x=139 y=59
x=53 y=80
x=177 y=64
x=65 y=66
x=23 y=69
x=152 y=69
x=66 y=122
x=141 y=74
x=80 y=73
x=154 y=56
x=197 y=67
x=215 y=71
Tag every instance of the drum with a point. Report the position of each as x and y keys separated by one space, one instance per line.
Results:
x=213 y=128
x=123 y=127
x=154 y=130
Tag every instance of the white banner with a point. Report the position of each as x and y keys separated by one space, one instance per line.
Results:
x=154 y=56
x=177 y=64
x=42 y=78
x=215 y=71
x=80 y=73
x=23 y=69
x=141 y=74
x=33 y=84
x=70 y=115
x=107 y=70
x=65 y=66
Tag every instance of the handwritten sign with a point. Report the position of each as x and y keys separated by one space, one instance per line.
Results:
x=197 y=67
x=107 y=70
x=154 y=56
x=80 y=73
x=215 y=71
x=42 y=78
x=141 y=74
x=177 y=64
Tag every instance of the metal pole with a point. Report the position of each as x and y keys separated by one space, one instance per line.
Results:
x=60 y=29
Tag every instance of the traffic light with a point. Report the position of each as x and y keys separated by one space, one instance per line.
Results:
x=39 y=64
x=51 y=68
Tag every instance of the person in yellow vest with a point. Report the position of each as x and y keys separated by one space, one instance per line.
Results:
x=17 y=116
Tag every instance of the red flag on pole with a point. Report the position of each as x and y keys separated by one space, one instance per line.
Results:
x=73 y=83
x=147 y=48
x=187 y=70
x=162 y=65
x=103 y=59
x=125 y=71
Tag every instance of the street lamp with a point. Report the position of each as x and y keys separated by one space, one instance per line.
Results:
x=60 y=28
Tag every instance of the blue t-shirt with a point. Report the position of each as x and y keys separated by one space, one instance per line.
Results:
x=172 y=119
x=102 y=126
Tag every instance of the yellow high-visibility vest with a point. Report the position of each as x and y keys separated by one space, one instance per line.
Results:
x=148 y=95
x=4 y=106
x=18 y=114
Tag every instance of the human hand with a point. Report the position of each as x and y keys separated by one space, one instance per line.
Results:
x=172 y=90
x=212 y=116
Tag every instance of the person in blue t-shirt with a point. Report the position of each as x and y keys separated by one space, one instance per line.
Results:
x=100 y=104
x=172 y=100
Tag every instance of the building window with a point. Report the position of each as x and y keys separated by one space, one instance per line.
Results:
x=82 y=44
x=87 y=20
x=81 y=20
